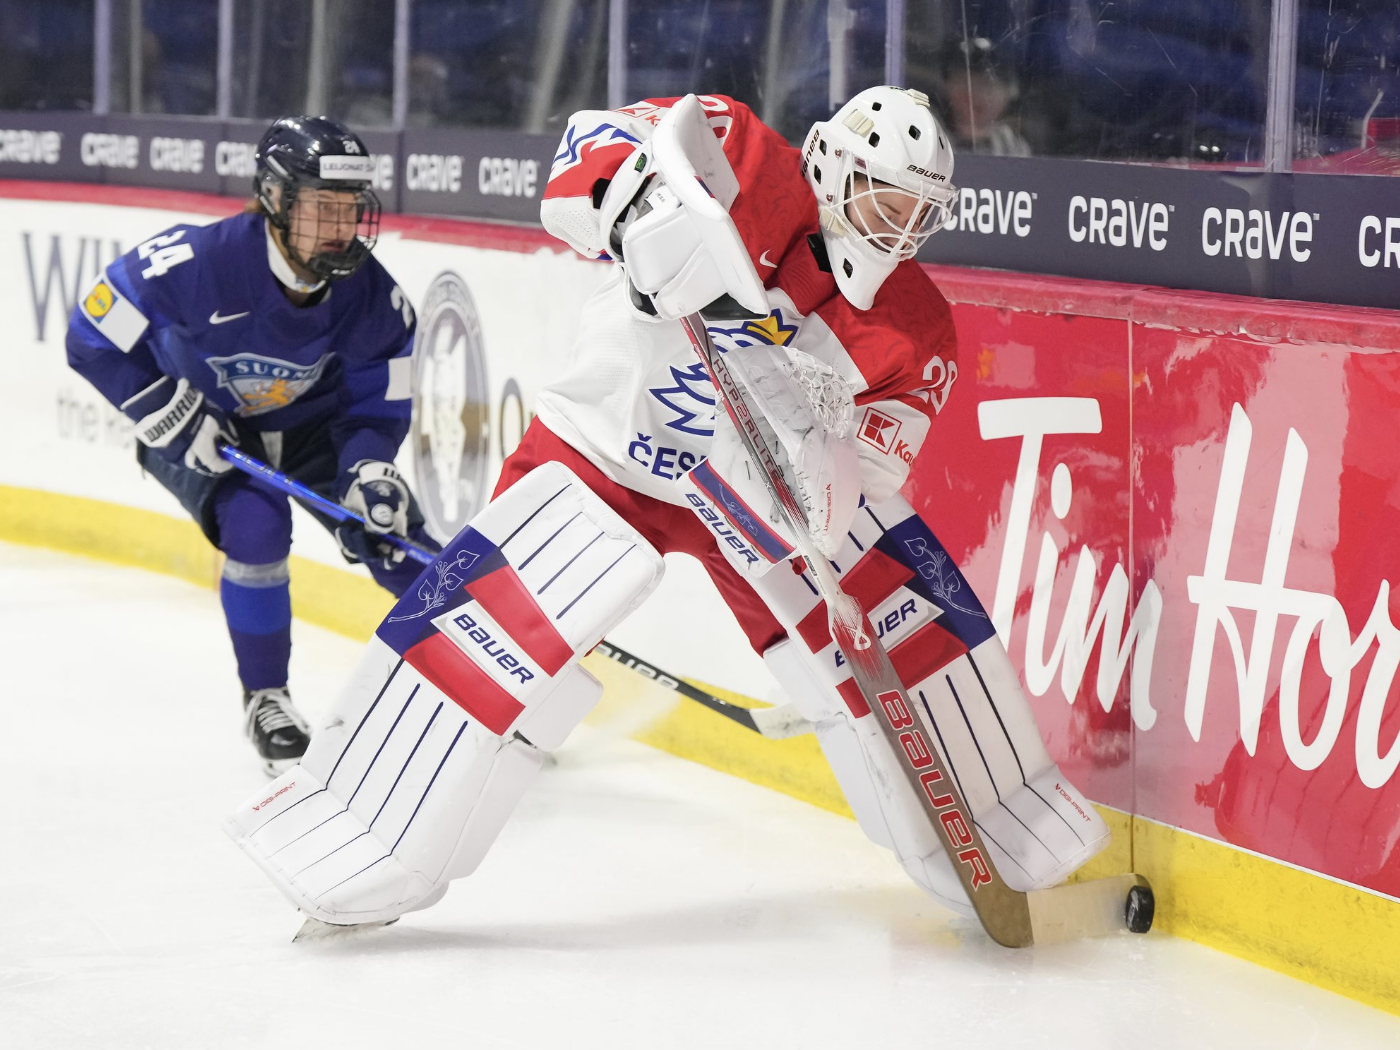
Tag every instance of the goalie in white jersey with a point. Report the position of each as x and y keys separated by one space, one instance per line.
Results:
x=469 y=680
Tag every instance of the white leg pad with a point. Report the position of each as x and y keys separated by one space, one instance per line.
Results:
x=1036 y=825
x=884 y=806
x=443 y=724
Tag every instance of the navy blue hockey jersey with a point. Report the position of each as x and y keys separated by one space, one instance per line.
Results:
x=201 y=303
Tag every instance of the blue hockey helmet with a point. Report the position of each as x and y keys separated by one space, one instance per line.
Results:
x=300 y=154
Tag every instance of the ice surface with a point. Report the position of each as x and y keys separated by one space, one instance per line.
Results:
x=636 y=901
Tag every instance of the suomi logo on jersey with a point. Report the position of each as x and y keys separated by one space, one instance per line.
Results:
x=692 y=396
x=264 y=384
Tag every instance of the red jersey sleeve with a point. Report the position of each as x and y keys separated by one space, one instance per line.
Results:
x=905 y=351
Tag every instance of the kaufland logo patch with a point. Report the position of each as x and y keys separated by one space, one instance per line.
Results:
x=878 y=429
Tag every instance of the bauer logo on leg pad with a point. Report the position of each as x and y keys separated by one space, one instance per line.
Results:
x=500 y=654
x=490 y=647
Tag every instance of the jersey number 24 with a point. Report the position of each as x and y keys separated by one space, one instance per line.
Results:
x=163 y=252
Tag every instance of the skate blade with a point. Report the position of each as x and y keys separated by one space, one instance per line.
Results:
x=316 y=930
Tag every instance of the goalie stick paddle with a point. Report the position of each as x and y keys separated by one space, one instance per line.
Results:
x=775 y=723
x=1010 y=917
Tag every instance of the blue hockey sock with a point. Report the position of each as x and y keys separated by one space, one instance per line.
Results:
x=257 y=603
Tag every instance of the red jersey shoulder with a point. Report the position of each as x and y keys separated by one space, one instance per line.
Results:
x=775 y=209
x=905 y=342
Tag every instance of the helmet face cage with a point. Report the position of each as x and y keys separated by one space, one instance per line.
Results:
x=892 y=213
x=881 y=169
x=328 y=214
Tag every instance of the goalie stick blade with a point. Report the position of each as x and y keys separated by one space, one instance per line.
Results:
x=1095 y=908
x=316 y=930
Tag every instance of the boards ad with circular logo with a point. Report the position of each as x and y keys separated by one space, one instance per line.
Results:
x=451 y=434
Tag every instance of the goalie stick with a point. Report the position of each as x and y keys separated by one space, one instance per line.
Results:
x=313 y=500
x=1010 y=917
x=775 y=723
x=692 y=163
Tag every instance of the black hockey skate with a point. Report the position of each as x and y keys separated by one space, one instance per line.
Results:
x=276 y=728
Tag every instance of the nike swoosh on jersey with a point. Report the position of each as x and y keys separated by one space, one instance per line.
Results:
x=214 y=318
x=763 y=260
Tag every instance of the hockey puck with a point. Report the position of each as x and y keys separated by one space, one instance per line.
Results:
x=1140 y=908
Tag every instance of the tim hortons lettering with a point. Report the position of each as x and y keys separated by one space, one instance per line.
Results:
x=1215 y=595
x=1032 y=419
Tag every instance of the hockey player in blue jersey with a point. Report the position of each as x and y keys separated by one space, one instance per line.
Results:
x=275 y=330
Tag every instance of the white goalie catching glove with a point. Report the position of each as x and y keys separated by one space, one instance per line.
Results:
x=806 y=411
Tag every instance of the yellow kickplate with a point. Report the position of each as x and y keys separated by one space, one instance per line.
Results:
x=1291 y=920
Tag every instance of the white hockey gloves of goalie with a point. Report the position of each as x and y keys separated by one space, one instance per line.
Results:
x=805 y=411
x=665 y=258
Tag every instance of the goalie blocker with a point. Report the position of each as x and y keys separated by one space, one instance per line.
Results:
x=467 y=682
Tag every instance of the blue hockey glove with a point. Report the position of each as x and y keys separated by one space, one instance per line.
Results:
x=378 y=494
x=175 y=420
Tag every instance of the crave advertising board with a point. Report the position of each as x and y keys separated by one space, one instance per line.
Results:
x=1321 y=238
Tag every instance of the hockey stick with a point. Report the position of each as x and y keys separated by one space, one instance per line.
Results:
x=775 y=723
x=1010 y=917
x=313 y=500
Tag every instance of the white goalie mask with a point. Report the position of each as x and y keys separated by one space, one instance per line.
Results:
x=882 y=170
